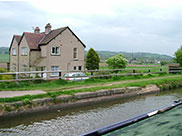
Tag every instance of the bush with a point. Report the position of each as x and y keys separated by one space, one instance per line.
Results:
x=26 y=101
x=117 y=62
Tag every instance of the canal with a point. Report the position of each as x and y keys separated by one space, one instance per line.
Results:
x=73 y=122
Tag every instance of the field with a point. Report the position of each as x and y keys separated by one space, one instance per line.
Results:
x=141 y=68
x=4 y=57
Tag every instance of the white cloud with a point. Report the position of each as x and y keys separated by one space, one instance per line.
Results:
x=120 y=25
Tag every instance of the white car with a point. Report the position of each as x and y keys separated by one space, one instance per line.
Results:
x=75 y=76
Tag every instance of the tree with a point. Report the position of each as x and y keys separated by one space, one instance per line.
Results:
x=92 y=60
x=117 y=62
x=178 y=56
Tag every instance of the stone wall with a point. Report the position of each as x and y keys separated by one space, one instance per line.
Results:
x=78 y=99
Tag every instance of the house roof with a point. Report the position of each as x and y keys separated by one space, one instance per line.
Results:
x=36 y=39
x=33 y=39
x=15 y=37
x=51 y=35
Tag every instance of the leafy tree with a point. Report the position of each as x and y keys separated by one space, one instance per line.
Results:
x=178 y=56
x=117 y=62
x=92 y=60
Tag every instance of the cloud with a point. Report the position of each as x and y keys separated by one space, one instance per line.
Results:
x=118 y=25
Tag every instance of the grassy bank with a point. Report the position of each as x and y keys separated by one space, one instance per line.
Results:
x=62 y=84
x=164 y=83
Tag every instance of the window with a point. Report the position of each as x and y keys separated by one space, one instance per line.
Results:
x=14 y=67
x=54 y=68
x=55 y=51
x=14 y=51
x=79 y=67
x=24 y=51
x=75 y=53
x=74 y=68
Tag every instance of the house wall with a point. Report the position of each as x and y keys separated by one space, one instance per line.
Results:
x=14 y=58
x=24 y=59
x=67 y=42
x=34 y=59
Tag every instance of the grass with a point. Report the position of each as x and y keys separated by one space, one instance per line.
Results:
x=62 y=84
x=175 y=81
x=142 y=68
x=4 y=57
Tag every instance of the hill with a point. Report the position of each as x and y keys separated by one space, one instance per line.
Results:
x=140 y=56
x=4 y=50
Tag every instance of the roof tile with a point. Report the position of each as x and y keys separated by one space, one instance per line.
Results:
x=33 y=39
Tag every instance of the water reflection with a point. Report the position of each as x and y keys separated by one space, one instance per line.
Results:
x=78 y=121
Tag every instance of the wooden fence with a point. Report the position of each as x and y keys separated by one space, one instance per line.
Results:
x=37 y=75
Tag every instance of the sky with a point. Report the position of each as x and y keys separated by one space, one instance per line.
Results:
x=153 y=26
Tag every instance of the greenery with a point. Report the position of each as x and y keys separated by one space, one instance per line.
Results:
x=92 y=60
x=170 y=82
x=117 y=62
x=4 y=57
x=5 y=77
x=178 y=56
x=163 y=62
x=140 y=56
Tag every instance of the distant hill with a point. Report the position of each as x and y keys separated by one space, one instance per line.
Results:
x=140 y=56
x=4 y=50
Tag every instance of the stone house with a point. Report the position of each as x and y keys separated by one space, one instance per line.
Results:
x=58 y=49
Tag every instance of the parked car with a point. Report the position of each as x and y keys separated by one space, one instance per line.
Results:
x=75 y=76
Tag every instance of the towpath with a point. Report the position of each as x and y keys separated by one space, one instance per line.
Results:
x=5 y=94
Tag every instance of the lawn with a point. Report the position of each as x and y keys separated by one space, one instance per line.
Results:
x=4 y=57
x=62 y=84
x=141 y=68
x=172 y=80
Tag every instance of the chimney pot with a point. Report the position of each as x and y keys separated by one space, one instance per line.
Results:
x=37 y=30
x=47 y=28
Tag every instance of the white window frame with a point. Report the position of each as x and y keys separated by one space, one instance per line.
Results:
x=14 y=51
x=56 y=49
x=54 y=68
x=74 y=53
x=24 y=51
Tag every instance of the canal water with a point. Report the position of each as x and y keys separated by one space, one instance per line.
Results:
x=75 y=122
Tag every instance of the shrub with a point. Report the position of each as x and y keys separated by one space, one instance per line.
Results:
x=26 y=101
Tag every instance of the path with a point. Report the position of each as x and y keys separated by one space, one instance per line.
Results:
x=5 y=94
x=119 y=82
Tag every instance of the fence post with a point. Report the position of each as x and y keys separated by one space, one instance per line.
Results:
x=134 y=71
x=149 y=70
x=16 y=76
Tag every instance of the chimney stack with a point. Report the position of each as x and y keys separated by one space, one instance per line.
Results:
x=47 y=28
x=37 y=30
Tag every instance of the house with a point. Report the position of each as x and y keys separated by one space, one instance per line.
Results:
x=51 y=50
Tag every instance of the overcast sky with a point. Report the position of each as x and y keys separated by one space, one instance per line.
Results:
x=114 y=25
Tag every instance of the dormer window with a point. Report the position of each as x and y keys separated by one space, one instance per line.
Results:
x=14 y=51
x=55 y=51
